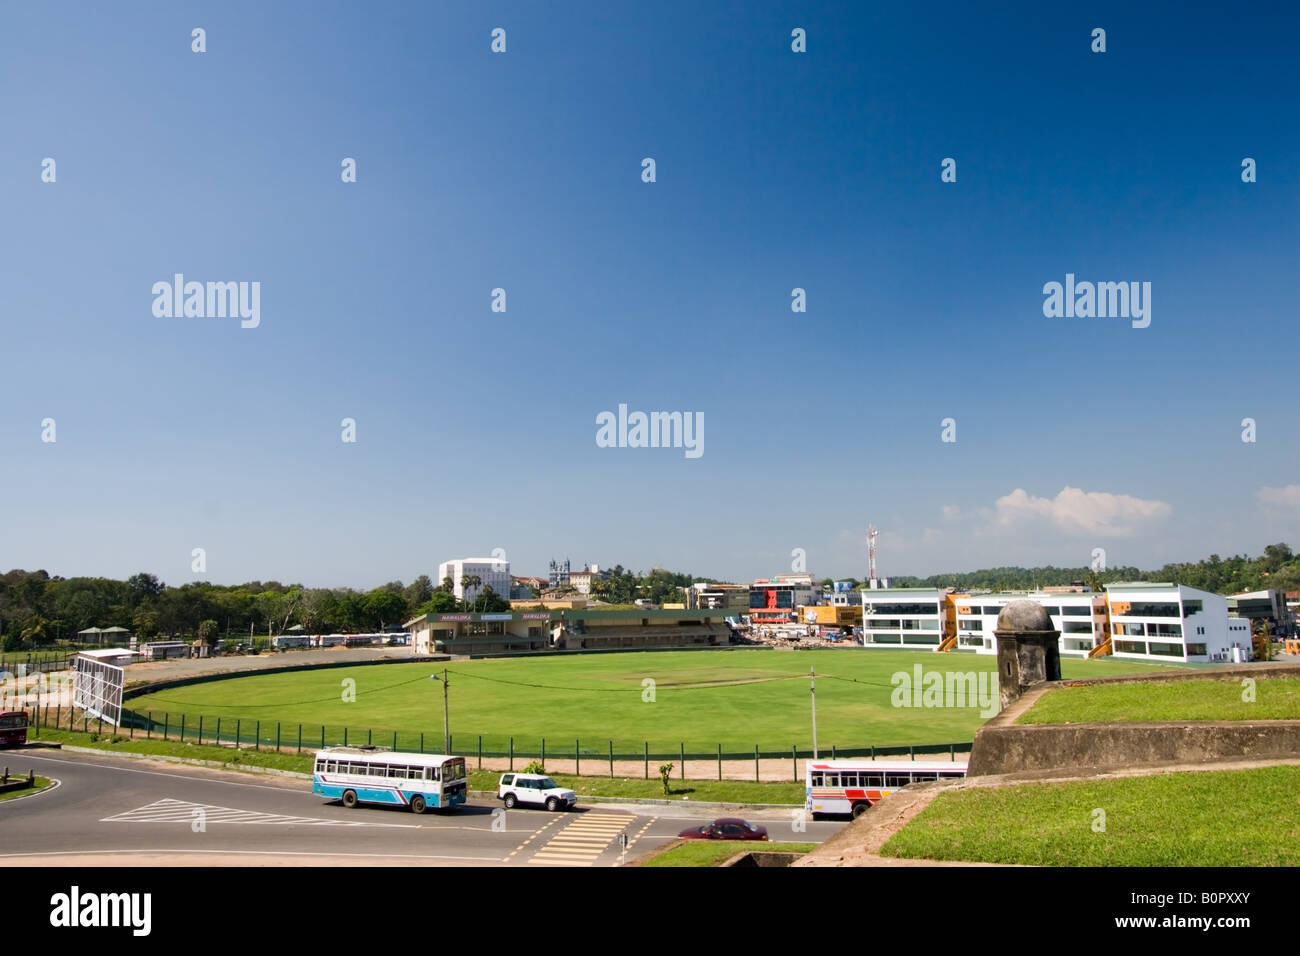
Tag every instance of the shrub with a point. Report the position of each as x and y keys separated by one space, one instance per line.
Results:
x=1264 y=644
x=535 y=767
x=665 y=771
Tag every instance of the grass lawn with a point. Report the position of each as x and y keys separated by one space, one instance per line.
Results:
x=41 y=784
x=1275 y=698
x=714 y=791
x=720 y=791
x=738 y=699
x=243 y=757
x=716 y=852
x=1219 y=818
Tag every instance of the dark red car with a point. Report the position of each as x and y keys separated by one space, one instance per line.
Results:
x=726 y=828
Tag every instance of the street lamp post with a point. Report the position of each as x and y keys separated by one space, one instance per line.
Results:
x=446 y=728
x=812 y=690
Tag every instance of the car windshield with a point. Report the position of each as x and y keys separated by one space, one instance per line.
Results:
x=548 y=784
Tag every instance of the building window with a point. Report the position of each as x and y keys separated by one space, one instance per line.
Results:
x=1166 y=650
x=908 y=609
x=1153 y=609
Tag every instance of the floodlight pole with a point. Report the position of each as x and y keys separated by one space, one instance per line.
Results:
x=812 y=691
x=446 y=725
x=446 y=731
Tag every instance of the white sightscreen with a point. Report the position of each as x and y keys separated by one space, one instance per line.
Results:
x=98 y=689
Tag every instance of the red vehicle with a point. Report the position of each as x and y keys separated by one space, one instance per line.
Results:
x=726 y=828
x=13 y=728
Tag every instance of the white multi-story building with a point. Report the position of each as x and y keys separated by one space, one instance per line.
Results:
x=903 y=617
x=1144 y=621
x=580 y=581
x=1174 y=622
x=1080 y=616
x=492 y=572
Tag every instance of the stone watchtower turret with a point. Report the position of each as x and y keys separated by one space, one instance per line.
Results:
x=1029 y=650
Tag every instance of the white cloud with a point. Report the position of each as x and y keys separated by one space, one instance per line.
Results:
x=950 y=511
x=1081 y=512
x=1288 y=498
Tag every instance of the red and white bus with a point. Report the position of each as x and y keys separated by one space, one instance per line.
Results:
x=851 y=786
x=13 y=728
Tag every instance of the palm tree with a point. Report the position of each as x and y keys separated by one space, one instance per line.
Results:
x=468 y=581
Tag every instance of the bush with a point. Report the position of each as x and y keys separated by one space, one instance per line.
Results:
x=535 y=767
x=665 y=771
x=1264 y=644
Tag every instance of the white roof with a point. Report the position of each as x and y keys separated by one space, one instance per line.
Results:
x=887 y=764
x=110 y=652
x=387 y=756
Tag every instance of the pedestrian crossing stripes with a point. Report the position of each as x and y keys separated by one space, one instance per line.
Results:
x=581 y=842
x=183 y=811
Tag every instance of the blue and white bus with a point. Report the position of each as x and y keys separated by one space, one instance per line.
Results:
x=374 y=775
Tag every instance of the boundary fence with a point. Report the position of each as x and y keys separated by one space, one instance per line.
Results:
x=601 y=756
x=35 y=663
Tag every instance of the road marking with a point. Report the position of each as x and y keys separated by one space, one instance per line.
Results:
x=208 y=777
x=583 y=841
x=54 y=785
x=183 y=811
x=530 y=839
x=172 y=851
x=640 y=833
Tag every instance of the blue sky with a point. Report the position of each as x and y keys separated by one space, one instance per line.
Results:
x=775 y=170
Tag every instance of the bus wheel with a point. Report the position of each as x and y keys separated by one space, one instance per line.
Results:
x=417 y=803
x=349 y=798
x=859 y=809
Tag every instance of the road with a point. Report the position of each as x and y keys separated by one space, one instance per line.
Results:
x=118 y=812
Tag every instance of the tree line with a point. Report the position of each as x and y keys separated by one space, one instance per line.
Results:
x=37 y=609
x=1277 y=568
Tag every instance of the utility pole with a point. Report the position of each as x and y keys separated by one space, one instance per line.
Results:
x=446 y=726
x=446 y=730
x=812 y=690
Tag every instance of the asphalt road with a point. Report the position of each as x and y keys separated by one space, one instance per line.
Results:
x=117 y=812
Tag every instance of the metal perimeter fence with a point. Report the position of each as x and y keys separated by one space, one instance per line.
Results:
x=23 y=664
x=601 y=756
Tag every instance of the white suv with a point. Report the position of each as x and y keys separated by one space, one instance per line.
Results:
x=534 y=789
